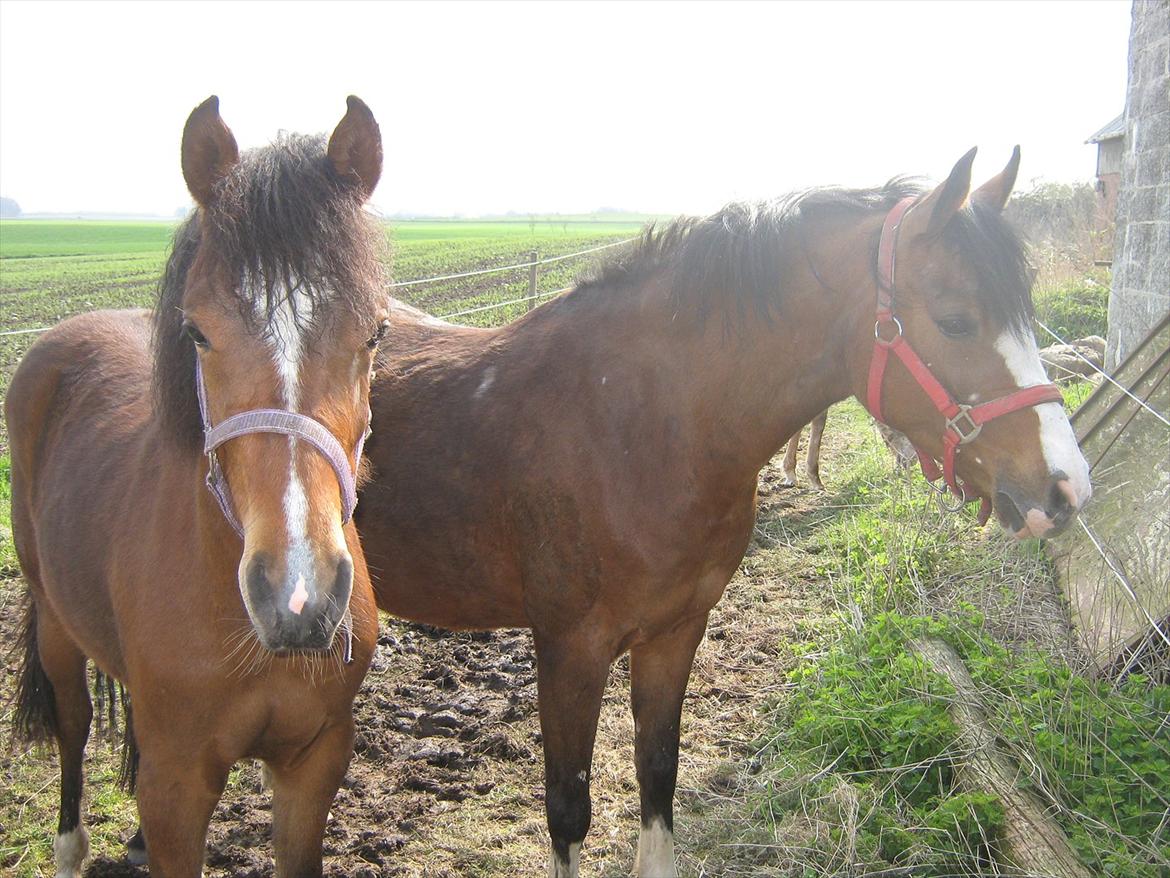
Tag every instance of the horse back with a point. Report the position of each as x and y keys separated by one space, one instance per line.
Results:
x=77 y=405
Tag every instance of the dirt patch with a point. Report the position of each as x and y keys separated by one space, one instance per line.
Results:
x=447 y=778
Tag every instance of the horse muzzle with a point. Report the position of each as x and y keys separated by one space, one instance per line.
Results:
x=295 y=610
x=1043 y=514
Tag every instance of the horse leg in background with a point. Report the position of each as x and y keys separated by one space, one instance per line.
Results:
x=64 y=667
x=789 y=480
x=812 y=457
x=659 y=671
x=899 y=445
x=570 y=681
x=302 y=794
x=179 y=783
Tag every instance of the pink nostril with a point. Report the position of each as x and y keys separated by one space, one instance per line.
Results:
x=1069 y=492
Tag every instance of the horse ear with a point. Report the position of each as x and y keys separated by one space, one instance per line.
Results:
x=209 y=151
x=356 y=146
x=938 y=208
x=995 y=192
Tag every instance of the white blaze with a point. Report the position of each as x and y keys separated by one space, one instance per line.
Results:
x=1057 y=440
x=287 y=345
x=656 y=851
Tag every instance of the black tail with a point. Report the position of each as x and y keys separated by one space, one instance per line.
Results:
x=35 y=717
x=109 y=692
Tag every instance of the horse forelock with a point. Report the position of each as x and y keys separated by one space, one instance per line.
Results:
x=295 y=240
x=736 y=256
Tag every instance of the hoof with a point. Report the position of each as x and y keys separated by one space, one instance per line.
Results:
x=788 y=481
x=136 y=849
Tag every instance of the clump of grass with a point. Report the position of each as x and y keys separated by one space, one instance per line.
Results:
x=861 y=764
x=870 y=722
x=8 y=563
x=1073 y=309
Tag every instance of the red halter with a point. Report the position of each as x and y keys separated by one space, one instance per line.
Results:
x=964 y=422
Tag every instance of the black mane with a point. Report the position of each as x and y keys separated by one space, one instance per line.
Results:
x=740 y=251
x=281 y=219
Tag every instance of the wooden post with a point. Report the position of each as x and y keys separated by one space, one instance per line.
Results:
x=532 y=257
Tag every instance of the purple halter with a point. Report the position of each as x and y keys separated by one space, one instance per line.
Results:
x=274 y=421
x=290 y=424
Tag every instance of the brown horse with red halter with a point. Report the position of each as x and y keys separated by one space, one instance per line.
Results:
x=239 y=619
x=590 y=470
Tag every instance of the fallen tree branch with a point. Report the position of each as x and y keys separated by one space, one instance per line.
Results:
x=1031 y=841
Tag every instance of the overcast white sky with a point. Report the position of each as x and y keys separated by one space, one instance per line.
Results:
x=487 y=107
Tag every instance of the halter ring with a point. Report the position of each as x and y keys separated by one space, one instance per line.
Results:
x=877 y=329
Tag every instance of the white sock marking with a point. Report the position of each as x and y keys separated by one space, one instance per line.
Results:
x=69 y=851
x=558 y=868
x=1057 y=440
x=656 y=851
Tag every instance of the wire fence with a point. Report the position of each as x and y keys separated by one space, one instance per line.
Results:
x=531 y=297
x=1105 y=375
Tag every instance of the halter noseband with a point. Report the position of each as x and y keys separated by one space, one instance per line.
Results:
x=963 y=422
x=274 y=421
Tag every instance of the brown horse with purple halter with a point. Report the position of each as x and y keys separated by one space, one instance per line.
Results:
x=590 y=470
x=239 y=619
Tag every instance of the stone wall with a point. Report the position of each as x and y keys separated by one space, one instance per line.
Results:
x=1141 y=262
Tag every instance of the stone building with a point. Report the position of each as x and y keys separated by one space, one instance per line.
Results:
x=1140 y=297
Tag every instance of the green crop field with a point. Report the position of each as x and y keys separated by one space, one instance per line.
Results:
x=50 y=270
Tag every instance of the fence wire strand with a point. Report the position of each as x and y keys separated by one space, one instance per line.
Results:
x=1103 y=373
x=427 y=280
x=518 y=265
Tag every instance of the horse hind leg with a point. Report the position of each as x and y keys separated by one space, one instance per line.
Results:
x=53 y=701
x=789 y=479
x=659 y=671
x=812 y=460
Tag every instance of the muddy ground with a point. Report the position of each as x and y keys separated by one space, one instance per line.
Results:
x=447 y=775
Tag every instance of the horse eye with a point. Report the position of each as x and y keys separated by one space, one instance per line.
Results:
x=956 y=327
x=195 y=335
x=377 y=337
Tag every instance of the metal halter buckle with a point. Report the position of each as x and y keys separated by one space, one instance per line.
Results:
x=877 y=329
x=953 y=424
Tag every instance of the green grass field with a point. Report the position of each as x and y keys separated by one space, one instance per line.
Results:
x=50 y=270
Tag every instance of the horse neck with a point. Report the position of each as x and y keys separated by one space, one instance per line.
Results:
x=748 y=382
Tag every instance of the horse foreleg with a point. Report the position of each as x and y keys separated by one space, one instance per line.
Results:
x=301 y=796
x=178 y=786
x=789 y=479
x=570 y=680
x=812 y=458
x=64 y=665
x=659 y=671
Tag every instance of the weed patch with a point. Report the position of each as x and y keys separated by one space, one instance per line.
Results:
x=873 y=717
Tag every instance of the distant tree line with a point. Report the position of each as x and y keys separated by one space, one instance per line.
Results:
x=1055 y=213
x=9 y=208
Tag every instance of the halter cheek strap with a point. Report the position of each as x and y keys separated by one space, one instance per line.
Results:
x=963 y=422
